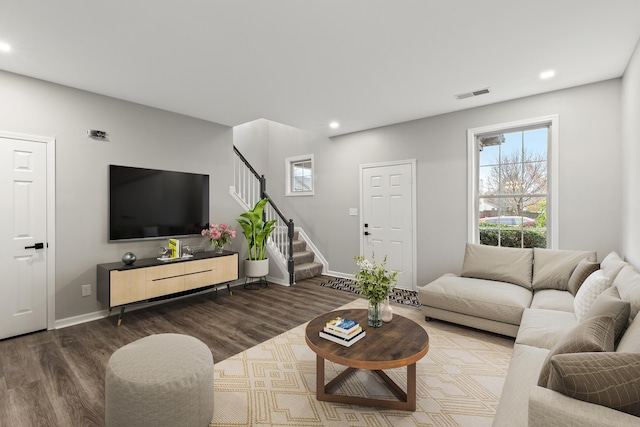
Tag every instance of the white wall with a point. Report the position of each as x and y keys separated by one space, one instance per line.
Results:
x=631 y=138
x=589 y=161
x=138 y=136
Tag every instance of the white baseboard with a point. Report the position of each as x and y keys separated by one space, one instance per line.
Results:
x=97 y=315
x=83 y=318
x=341 y=275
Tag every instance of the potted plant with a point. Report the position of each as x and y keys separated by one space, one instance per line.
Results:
x=257 y=233
x=374 y=282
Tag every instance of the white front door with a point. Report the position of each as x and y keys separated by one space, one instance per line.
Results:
x=23 y=228
x=388 y=215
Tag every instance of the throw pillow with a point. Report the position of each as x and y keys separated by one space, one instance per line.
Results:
x=628 y=283
x=511 y=265
x=630 y=341
x=588 y=292
x=608 y=303
x=612 y=264
x=607 y=379
x=594 y=334
x=580 y=274
x=552 y=268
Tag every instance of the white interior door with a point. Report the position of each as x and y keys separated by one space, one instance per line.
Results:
x=388 y=215
x=23 y=228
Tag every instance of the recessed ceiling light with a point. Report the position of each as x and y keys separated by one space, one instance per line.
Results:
x=334 y=125
x=547 y=74
x=5 y=47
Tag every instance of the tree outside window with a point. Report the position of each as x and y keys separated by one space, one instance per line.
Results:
x=512 y=188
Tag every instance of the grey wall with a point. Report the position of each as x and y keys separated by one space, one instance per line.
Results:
x=590 y=158
x=631 y=138
x=589 y=162
x=138 y=136
x=252 y=140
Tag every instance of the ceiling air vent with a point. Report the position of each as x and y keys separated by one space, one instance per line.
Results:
x=474 y=93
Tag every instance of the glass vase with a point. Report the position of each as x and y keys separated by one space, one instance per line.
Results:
x=218 y=247
x=374 y=318
x=387 y=311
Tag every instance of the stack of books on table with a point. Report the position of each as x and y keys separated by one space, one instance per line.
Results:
x=343 y=331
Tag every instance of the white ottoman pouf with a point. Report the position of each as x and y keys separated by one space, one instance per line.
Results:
x=160 y=380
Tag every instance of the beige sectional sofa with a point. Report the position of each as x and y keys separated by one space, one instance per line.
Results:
x=577 y=333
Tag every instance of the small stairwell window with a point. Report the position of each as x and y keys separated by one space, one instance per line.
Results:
x=299 y=172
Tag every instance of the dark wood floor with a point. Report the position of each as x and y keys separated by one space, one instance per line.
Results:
x=56 y=378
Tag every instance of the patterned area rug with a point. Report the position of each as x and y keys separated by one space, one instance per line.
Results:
x=400 y=296
x=273 y=384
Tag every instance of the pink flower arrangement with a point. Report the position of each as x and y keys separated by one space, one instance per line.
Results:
x=219 y=234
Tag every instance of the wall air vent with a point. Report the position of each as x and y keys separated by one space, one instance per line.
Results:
x=471 y=94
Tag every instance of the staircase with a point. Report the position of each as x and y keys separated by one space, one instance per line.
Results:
x=304 y=264
x=294 y=254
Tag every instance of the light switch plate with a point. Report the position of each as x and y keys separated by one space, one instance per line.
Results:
x=353 y=211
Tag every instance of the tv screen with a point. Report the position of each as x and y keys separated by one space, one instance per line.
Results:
x=155 y=204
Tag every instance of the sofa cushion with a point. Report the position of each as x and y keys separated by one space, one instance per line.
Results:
x=499 y=301
x=552 y=299
x=552 y=268
x=594 y=334
x=607 y=379
x=609 y=304
x=544 y=328
x=611 y=265
x=595 y=284
x=630 y=341
x=509 y=265
x=580 y=274
x=523 y=371
x=628 y=283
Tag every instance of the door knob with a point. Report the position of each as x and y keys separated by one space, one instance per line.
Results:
x=36 y=246
x=366 y=233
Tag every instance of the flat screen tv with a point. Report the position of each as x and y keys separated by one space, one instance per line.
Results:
x=156 y=204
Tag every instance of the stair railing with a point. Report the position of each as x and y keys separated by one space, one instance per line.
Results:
x=250 y=187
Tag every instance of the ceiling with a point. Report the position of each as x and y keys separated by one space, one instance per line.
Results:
x=305 y=63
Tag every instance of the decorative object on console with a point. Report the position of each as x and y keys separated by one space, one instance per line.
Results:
x=219 y=235
x=374 y=283
x=129 y=258
x=165 y=253
x=174 y=245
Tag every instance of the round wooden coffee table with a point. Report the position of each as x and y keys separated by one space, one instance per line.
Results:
x=401 y=342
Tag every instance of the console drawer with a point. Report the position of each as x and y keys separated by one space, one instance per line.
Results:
x=127 y=286
x=165 y=280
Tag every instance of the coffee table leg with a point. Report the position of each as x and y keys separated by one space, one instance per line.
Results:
x=411 y=387
x=319 y=377
x=407 y=401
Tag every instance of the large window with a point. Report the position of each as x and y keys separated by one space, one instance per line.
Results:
x=299 y=176
x=512 y=184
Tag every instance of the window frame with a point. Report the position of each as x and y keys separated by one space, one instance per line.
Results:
x=473 y=173
x=289 y=185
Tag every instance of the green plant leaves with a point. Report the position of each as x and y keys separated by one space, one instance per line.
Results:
x=256 y=231
x=373 y=280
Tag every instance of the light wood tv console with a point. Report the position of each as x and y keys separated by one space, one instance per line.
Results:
x=119 y=285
